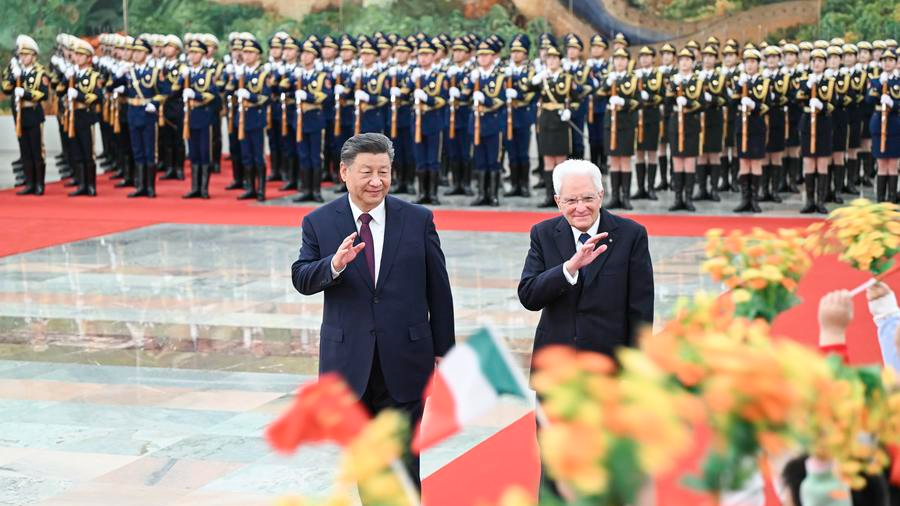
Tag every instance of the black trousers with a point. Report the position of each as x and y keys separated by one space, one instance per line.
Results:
x=377 y=399
x=32 y=153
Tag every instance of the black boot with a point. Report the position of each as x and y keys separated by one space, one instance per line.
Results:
x=678 y=190
x=291 y=174
x=467 y=178
x=663 y=174
x=776 y=179
x=735 y=168
x=625 y=189
x=525 y=181
x=424 y=187
x=688 y=198
x=868 y=166
x=261 y=181
x=495 y=184
x=456 y=169
x=892 y=189
x=810 y=190
x=540 y=170
x=838 y=183
x=701 y=176
x=745 y=206
x=518 y=180
x=852 y=177
x=315 y=186
x=651 y=180
x=754 y=192
x=829 y=179
x=792 y=169
x=481 y=199
x=249 y=183
x=821 y=193
x=881 y=183
x=195 y=183
x=304 y=187
x=29 y=173
x=615 y=185
x=275 y=175
x=128 y=171
x=714 y=172
x=140 y=179
x=433 y=183
x=238 y=178
x=724 y=185
x=640 y=170
x=40 y=176
x=151 y=181
x=549 y=201
x=765 y=181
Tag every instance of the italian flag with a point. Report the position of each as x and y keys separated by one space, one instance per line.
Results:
x=468 y=382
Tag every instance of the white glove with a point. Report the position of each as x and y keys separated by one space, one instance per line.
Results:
x=20 y=92
x=701 y=76
x=811 y=81
x=565 y=115
x=748 y=103
x=337 y=70
x=189 y=94
x=616 y=101
x=644 y=95
x=16 y=71
x=239 y=71
x=681 y=101
x=185 y=72
x=242 y=93
x=357 y=75
x=339 y=89
x=420 y=95
x=55 y=60
x=743 y=79
x=454 y=92
x=150 y=108
x=511 y=94
x=475 y=75
x=72 y=93
x=300 y=95
x=229 y=69
x=395 y=92
x=611 y=78
x=361 y=96
x=707 y=96
x=887 y=101
x=416 y=73
x=318 y=66
x=452 y=71
x=70 y=72
x=536 y=80
x=120 y=71
x=508 y=71
x=119 y=89
x=816 y=104
x=478 y=97
x=829 y=73
x=844 y=71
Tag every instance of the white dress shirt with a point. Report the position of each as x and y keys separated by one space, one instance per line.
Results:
x=376 y=226
x=577 y=234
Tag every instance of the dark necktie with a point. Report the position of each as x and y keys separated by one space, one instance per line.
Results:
x=365 y=234
x=583 y=238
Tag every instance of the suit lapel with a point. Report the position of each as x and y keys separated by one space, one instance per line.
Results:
x=393 y=230
x=347 y=227
x=565 y=241
x=607 y=224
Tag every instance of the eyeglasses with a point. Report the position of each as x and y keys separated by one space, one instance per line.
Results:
x=584 y=199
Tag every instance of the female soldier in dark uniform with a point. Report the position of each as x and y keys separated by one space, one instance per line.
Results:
x=816 y=93
x=683 y=95
x=856 y=93
x=558 y=90
x=776 y=124
x=885 y=93
x=729 y=158
x=751 y=92
x=791 y=161
x=651 y=91
x=840 y=121
x=871 y=70
x=621 y=90
x=668 y=69
x=711 y=127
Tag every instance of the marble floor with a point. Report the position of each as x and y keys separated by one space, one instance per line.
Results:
x=141 y=367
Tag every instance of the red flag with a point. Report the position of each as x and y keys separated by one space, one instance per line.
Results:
x=326 y=410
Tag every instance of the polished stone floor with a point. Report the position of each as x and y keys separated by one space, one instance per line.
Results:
x=141 y=367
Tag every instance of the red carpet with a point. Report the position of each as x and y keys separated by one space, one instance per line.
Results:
x=83 y=218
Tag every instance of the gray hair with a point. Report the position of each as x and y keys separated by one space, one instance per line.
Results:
x=372 y=143
x=576 y=167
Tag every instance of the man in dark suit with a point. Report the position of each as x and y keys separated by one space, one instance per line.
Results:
x=588 y=271
x=388 y=312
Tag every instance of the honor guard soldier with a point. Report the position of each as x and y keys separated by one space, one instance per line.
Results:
x=277 y=157
x=668 y=68
x=651 y=92
x=29 y=84
x=730 y=165
x=598 y=67
x=857 y=94
x=252 y=89
x=198 y=93
x=776 y=125
x=119 y=113
x=484 y=87
x=575 y=66
x=400 y=120
x=751 y=91
x=557 y=89
x=684 y=94
x=429 y=90
x=283 y=87
x=457 y=140
x=83 y=110
x=344 y=106
x=791 y=161
x=623 y=98
x=520 y=115
x=330 y=48
x=839 y=120
x=217 y=106
x=370 y=95
x=311 y=87
x=235 y=59
x=141 y=82
x=711 y=125
x=885 y=126
x=171 y=144
x=872 y=71
x=816 y=92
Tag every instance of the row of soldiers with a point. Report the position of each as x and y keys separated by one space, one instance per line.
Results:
x=755 y=119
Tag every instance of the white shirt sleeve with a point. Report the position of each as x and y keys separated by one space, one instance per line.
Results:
x=335 y=273
x=573 y=280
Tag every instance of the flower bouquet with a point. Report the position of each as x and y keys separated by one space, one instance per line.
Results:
x=866 y=235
